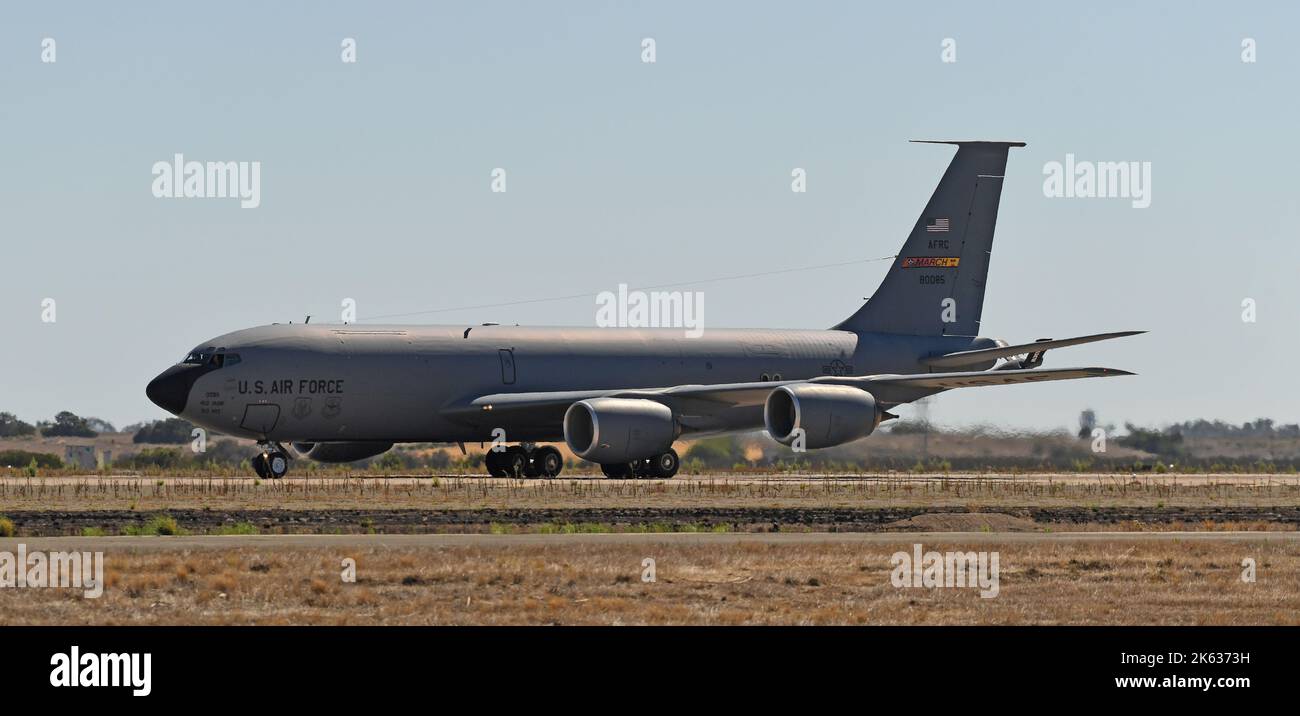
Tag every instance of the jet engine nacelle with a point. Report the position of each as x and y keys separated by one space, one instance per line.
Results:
x=827 y=415
x=609 y=430
x=340 y=452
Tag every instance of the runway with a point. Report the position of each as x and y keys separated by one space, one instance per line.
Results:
x=202 y=542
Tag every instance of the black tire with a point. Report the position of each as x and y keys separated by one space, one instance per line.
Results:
x=259 y=465
x=514 y=461
x=616 y=470
x=548 y=461
x=533 y=463
x=494 y=464
x=665 y=464
x=277 y=464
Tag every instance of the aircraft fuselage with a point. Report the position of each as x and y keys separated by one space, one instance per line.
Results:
x=323 y=383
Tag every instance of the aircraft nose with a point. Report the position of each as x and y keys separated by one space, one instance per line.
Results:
x=171 y=389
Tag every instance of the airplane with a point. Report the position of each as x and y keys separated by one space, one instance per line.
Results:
x=620 y=397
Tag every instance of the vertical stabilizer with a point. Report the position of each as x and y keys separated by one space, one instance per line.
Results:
x=936 y=285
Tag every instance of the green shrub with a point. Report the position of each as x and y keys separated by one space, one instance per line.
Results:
x=12 y=427
x=172 y=431
x=66 y=424
x=239 y=528
x=716 y=453
x=14 y=458
x=165 y=458
x=156 y=525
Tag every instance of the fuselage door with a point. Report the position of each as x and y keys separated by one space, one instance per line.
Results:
x=507 y=356
x=261 y=418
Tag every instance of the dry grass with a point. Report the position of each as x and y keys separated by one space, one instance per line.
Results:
x=837 y=583
x=450 y=492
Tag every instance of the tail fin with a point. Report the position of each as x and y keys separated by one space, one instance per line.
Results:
x=947 y=254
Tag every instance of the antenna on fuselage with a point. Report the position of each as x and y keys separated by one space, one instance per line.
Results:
x=308 y=319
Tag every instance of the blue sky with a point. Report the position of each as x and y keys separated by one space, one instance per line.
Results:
x=376 y=178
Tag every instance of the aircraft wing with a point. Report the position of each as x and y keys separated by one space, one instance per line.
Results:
x=698 y=407
x=737 y=406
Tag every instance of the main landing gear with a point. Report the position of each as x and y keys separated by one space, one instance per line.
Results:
x=272 y=462
x=661 y=466
x=524 y=461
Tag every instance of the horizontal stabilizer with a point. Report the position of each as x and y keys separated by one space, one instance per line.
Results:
x=956 y=360
x=962 y=142
x=947 y=381
x=894 y=389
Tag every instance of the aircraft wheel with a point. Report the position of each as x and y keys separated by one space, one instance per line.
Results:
x=616 y=470
x=548 y=462
x=259 y=465
x=644 y=468
x=665 y=464
x=514 y=461
x=533 y=463
x=277 y=464
x=494 y=463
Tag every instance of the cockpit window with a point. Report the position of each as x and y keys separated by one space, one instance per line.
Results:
x=206 y=356
x=199 y=356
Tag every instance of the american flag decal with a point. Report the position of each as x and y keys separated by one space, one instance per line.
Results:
x=936 y=225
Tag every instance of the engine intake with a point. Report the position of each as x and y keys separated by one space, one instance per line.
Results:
x=340 y=452
x=610 y=430
x=827 y=415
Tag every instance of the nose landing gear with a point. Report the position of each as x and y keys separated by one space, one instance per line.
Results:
x=272 y=462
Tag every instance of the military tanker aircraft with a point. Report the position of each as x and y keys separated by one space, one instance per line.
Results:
x=620 y=397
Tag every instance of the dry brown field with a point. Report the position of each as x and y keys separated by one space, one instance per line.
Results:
x=576 y=579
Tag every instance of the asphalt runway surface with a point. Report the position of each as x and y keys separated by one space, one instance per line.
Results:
x=561 y=540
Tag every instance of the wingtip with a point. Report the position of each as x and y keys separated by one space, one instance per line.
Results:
x=1110 y=372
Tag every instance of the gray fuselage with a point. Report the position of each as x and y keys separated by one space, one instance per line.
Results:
x=331 y=383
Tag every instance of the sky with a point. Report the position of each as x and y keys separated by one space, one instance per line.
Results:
x=376 y=179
